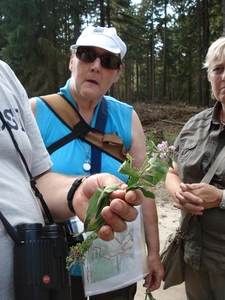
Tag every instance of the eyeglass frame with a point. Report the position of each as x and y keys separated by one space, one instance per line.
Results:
x=74 y=49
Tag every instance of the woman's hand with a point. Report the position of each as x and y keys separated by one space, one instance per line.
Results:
x=196 y=197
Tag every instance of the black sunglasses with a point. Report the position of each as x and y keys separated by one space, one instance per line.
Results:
x=88 y=55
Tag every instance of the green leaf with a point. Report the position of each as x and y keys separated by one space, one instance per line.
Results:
x=170 y=163
x=110 y=188
x=141 y=186
x=97 y=202
x=158 y=164
x=149 y=178
x=96 y=225
x=126 y=169
x=158 y=177
x=151 y=145
x=91 y=211
x=134 y=187
x=132 y=180
x=105 y=201
x=149 y=295
x=147 y=193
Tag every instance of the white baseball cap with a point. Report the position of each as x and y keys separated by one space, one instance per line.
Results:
x=102 y=37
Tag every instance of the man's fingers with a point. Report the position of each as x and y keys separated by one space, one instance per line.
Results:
x=134 y=197
x=118 y=213
x=106 y=233
x=124 y=210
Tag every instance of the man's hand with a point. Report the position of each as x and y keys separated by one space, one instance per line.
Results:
x=120 y=210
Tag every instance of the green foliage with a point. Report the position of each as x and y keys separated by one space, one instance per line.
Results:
x=93 y=220
x=35 y=37
x=149 y=296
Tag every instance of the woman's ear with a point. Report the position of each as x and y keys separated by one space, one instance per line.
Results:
x=118 y=74
x=208 y=77
x=71 y=63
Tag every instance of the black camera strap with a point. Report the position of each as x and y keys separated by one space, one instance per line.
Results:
x=32 y=183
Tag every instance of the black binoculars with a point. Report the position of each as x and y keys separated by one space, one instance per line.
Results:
x=40 y=263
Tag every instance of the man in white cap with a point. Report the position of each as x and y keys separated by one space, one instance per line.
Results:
x=95 y=64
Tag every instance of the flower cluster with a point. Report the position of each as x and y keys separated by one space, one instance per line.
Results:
x=159 y=159
x=154 y=167
x=163 y=150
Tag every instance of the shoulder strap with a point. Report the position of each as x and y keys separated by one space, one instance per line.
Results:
x=209 y=175
x=96 y=154
x=111 y=144
x=63 y=109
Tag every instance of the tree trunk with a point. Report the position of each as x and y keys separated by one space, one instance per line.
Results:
x=206 y=91
x=199 y=48
x=108 y=13
x=102 y=14
x=164 y=52
x=153 y=65
x=223 y=7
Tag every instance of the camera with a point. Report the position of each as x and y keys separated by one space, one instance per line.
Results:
x=73 y=226
x=40 y=263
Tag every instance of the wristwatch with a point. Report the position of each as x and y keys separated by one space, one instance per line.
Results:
x=222 y=203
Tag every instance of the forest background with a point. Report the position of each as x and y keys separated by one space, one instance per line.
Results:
x=167 y=42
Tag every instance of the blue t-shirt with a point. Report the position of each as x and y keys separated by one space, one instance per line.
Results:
x=70 y=158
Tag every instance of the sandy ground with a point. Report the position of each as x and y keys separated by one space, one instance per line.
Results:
x=168 y=221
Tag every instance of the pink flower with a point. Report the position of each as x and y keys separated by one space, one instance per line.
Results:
x=173 y=148
x=163 y=145
x=164 y=157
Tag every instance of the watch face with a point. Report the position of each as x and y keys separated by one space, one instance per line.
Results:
x=222 y=205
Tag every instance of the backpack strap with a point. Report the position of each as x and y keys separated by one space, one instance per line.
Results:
x=111 y=144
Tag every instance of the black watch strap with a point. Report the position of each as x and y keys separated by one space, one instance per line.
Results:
x=72 y=191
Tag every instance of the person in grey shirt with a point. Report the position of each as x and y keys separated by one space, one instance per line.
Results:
x=198 y=144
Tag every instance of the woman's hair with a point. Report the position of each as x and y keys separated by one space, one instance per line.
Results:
x=216 y=53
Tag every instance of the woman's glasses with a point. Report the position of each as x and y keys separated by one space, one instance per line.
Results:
x=88 y=55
